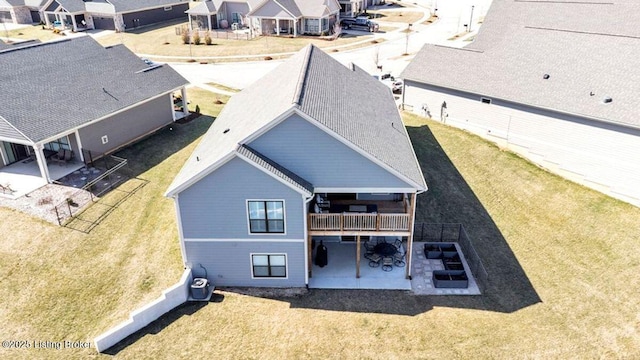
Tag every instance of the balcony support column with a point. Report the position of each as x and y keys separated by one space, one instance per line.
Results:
x=357 y=256
x=412 y=216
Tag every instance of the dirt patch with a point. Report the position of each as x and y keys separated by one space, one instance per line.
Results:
x=41 y=203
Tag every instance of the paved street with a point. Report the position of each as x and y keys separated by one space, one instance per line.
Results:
x=453 y=15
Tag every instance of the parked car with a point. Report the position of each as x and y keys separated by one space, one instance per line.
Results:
x=397 y=86
x=359 y=23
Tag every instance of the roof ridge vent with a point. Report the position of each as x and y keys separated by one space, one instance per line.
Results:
x=546 y=76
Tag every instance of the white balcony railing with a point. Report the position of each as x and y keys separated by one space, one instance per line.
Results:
x=358 y=222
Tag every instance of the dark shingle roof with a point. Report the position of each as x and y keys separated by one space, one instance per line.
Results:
x=588 y=48
x=132 y=5
x=275 y=168
x=348 y=101
x=56 y=86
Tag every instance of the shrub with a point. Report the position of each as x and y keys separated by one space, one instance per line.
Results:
x=268 y=58
x=185 y=37
x=207 y=39
x=197 y=109
x=196 y=38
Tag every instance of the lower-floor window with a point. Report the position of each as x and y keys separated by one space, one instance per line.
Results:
x=312 y=26
x=269 y=265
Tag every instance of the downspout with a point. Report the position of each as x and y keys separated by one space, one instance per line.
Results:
x=305 y=214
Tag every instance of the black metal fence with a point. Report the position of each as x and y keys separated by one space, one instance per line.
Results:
x=217 y=34
x=111 y=175
x=427 y=232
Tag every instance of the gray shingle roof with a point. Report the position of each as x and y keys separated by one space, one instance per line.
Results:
x=276 y=169
x=132 y=5
x=72 y=6
x=53 y=87
x=203 y=8
x=346 y=100
x=586 y=47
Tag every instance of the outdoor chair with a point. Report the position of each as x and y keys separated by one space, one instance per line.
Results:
x=387 y=263
x=398 y=259
x=369 y=250
x=374 y=260
x=61 y=156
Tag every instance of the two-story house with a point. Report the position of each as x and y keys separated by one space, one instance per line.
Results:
x=313 y=150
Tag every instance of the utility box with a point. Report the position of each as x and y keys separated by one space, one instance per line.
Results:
x=199 y=288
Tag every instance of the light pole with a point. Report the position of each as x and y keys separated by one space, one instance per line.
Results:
x=406 y=45
x=470 y=19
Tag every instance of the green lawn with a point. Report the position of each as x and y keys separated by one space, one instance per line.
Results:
x=61 y=284
x=562 y=260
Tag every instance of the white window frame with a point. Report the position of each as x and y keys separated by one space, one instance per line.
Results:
x=286 y=267
x=284 y=218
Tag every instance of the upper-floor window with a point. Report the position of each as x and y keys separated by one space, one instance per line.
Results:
x=266 y=216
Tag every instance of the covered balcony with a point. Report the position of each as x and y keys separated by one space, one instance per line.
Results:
x=360 y=214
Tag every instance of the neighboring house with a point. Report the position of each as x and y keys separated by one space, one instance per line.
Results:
x=556 y=82
x=293 y=17
x=76 y=95
x=221 y=14
x=119 y=15
x=20 y=11
x=267 y=17
x=282 y=163
x=351 y=8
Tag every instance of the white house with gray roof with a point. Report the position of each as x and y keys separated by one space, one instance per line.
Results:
x=20 y=11
x=267 y=17
x=77 y=96
x=554 y=81
x=312 y=151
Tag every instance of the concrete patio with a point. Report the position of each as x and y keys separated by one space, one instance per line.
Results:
x=24 y=176
x=340 y=272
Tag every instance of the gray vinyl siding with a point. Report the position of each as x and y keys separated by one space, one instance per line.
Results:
x=127 y=126
x=597 y=154
x=152 y=16
x=235 y=7
x=216 y=207
x=321 y=159
x=229 y=263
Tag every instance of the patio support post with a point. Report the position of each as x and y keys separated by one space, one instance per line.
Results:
x=80 y=152
x=278 y=27
x=412 y=218
x=73 y=23
x=357 y=256
x=209 y=22
x=295 y=27
x=310 y=252
x=185 y=109
x=42 y=162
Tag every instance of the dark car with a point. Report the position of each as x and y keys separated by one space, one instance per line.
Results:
x=347 y=22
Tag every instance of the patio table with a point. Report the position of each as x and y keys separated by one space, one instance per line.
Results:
x=385 y=249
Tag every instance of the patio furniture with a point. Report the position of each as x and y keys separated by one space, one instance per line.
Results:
x=398 y=259
x=385 y=249
x=450 y=279
x=60 y=156
x=369 y=249
x=387 y=263
x=374 y=260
